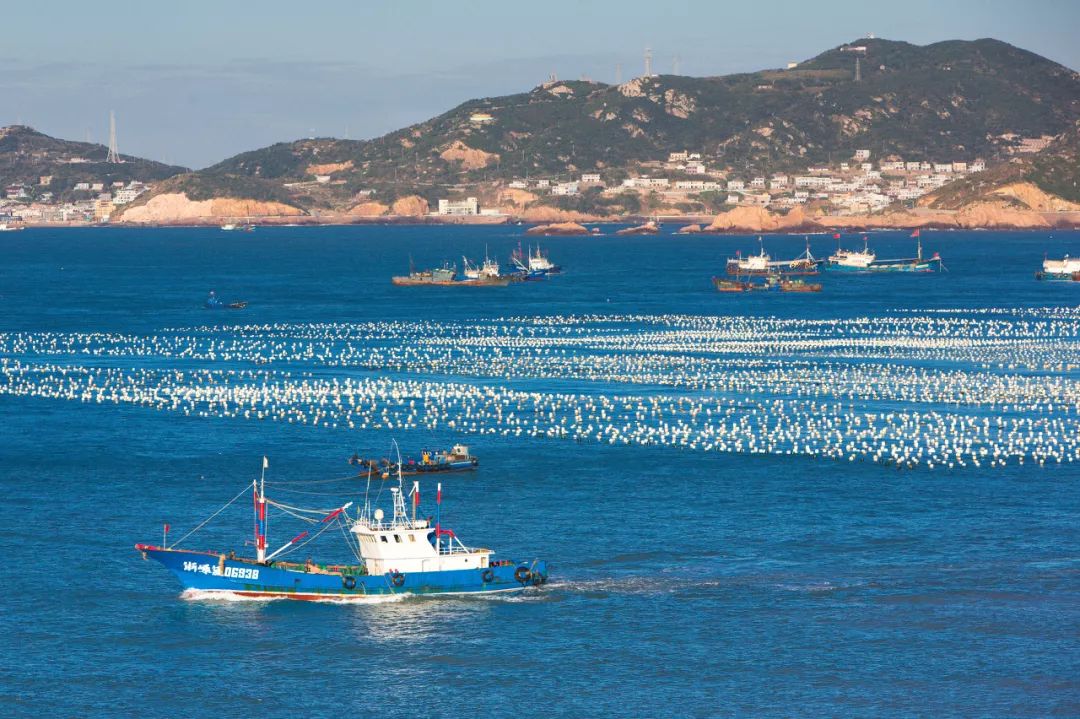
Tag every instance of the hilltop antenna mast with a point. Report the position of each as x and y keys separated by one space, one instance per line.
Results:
x=114 y=154
x=675 y=65
x=618 y=73
x=858 y=71
x=648 y=61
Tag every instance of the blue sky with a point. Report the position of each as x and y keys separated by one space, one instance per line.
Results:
x=197 y=81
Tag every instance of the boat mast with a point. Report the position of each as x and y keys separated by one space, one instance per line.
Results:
x=438 y=517
x=260 y=514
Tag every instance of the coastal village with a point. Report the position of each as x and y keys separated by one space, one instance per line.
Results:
x=858 y=185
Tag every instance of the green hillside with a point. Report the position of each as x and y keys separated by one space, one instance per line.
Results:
x=26 y=155
x=955 y=100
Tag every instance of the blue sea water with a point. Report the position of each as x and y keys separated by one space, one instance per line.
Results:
x=684 y=582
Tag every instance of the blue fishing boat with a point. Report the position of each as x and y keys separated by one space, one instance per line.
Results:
x=458 y=459
x=213 y=302
x=404 y=554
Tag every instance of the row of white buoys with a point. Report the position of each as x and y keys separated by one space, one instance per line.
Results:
x=945 y=388
x=1027 y=342
x=909 y=437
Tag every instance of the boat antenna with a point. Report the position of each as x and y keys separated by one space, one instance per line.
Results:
x=415 y=499
x=367 y=490
x=398 y=449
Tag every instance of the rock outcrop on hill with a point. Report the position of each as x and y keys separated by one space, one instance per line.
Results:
x=470 y=158
x=553 y=214
x=369 y=209
x=176 y=208
x=410 y=206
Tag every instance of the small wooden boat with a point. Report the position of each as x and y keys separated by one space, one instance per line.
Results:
x=723 y=285
x=799 y=286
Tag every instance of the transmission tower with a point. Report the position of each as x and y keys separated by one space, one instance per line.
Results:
x=648 y=61
x=675 y=65
x=618 y=73
x=114 y=154
x=858 y=71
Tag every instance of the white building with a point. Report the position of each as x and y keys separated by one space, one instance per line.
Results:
x=565 y=189
x=518 y=184
x=697 y=185
x=695 y=167
x=758 y=183
x=590 y=178
x=468 y=206
x=127 y=194
x=862 y=155
x=978 y=166
x=678 y=156
x=736 y=185
x=812 y=181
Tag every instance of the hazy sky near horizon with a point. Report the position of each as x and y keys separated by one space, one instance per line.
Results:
x=195 y=82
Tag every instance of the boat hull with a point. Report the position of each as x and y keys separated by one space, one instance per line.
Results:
x=215 y=573
x=896 y=267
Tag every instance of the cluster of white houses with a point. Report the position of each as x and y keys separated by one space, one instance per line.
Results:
x=854 y=187
x=29 y=203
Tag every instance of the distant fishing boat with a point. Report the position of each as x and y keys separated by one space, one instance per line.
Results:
x=797 y=285
x=213 y=302
x=750 y=265
x=487 y=273
x=440 y=276
x=5 y=227
x=763 y=264
x=737 y=285
x=403 y=555
x=457 y=459
x=533 y=265
x=228 y=227
x=1067 y=268
x=866 y=260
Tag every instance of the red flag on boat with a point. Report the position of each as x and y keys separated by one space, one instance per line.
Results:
x=836 y=236
x=915 y=233
x=166 y=527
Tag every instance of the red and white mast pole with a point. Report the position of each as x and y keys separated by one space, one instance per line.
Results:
x=260 y=514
